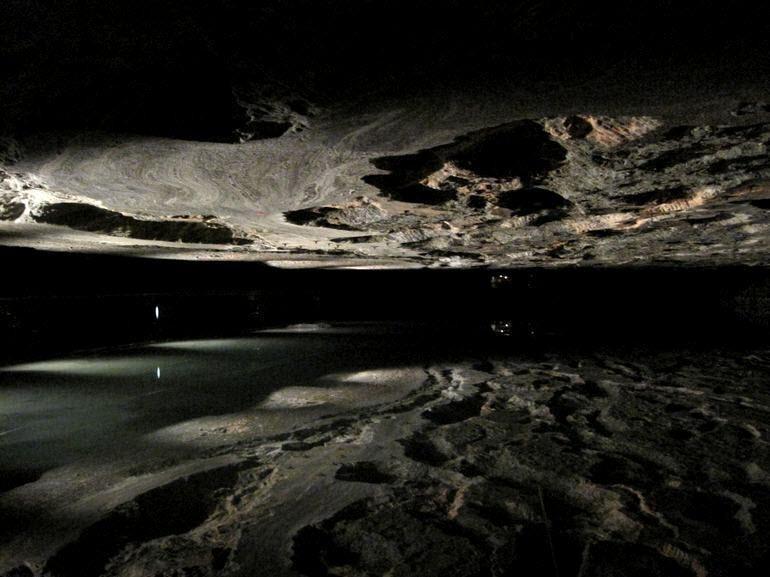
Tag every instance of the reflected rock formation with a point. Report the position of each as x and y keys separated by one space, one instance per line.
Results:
x=403 y=288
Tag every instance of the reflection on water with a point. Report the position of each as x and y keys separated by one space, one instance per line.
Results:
x=84 y=367
x=61 y=411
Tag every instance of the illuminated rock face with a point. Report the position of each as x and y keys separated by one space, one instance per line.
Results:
x=617 y=190
x=580 y=189
x=608 y=463
x=524 y=133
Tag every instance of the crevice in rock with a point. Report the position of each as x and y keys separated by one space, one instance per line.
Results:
x=172 y=509
x=363 y=472
x=526 y=201
x=455 y=411
x=90 y=218
x=360 y=214
x=672 y=158
x=11 y=210
x=520 y=150
x=316 y=216
x=658 y=196
x=420 y=448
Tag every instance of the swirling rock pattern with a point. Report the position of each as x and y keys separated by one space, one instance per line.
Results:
x=579 y=189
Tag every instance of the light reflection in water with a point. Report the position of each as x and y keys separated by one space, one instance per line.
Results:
x=55 y=412
x=90 y=367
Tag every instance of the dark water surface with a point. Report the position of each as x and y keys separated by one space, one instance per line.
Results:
x=94 y=406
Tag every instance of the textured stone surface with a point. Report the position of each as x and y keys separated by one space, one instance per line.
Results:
x=580 y=189
x=626 y=129
x=629 y=462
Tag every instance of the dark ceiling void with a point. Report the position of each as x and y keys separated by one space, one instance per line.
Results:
x=170 y=69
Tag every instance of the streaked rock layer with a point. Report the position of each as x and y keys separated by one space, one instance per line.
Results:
x=412 y=187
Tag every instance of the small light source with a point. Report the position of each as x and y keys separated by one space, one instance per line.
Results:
x=157 y=312
x=501 y=280
x=157 y=373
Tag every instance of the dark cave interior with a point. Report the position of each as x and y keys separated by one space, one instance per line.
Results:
x=345 y=288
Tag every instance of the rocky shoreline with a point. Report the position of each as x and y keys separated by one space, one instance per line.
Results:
x=636 y=462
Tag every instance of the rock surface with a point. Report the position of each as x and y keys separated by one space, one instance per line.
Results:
x=631 y=462
x=530 y=132
x=579 y=189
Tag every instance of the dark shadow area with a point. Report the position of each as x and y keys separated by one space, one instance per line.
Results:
x=169 y=510
x=520 y=150
x=529 y=200
x=159 y=67
x=100 y=299
x=95 y=219
x=318 y=216
x=11 y=210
